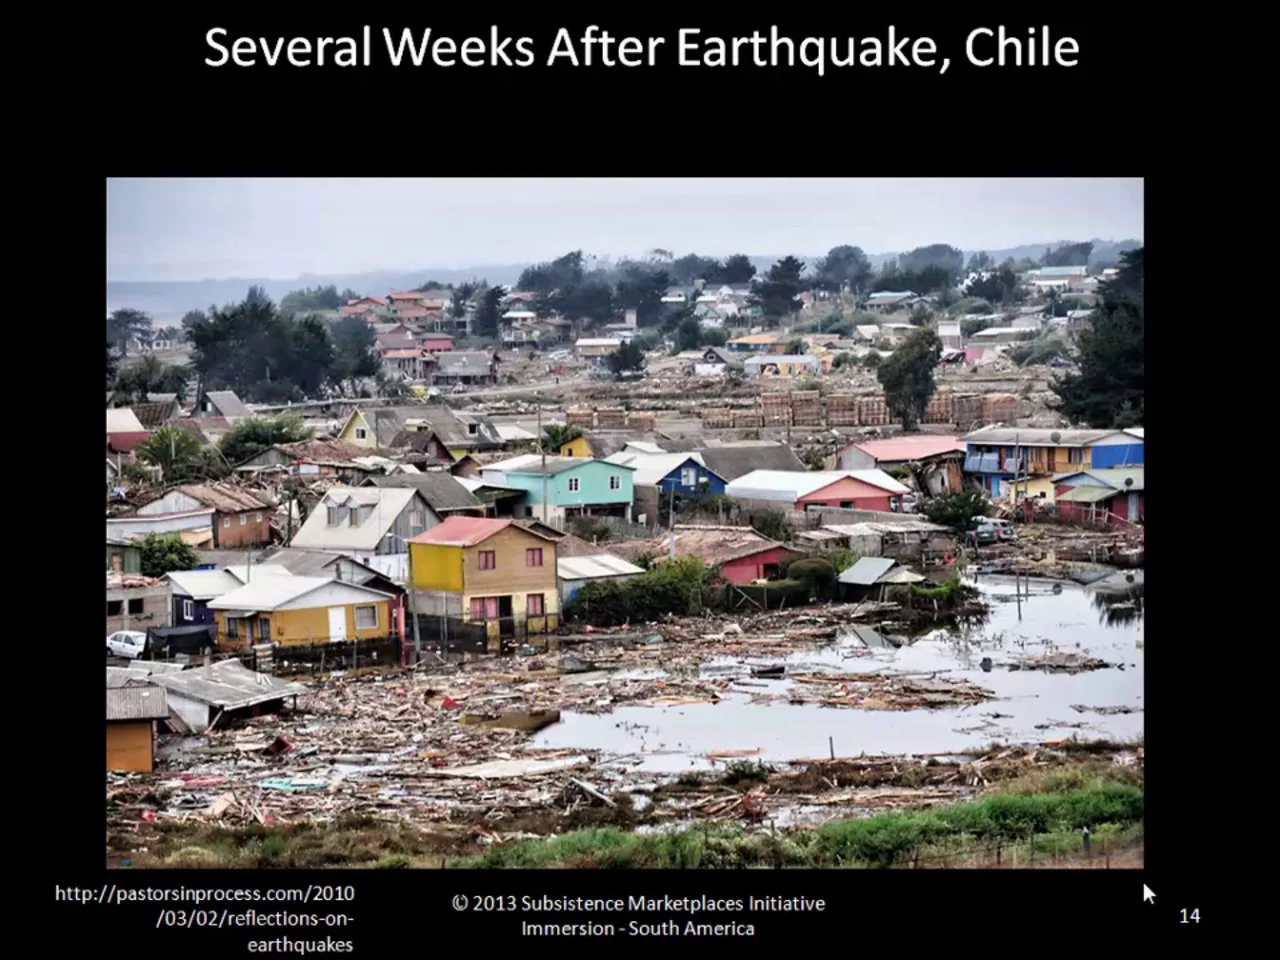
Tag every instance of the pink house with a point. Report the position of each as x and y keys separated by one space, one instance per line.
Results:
x=437 y=343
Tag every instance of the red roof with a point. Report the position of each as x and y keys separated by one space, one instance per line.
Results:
x=380 y=301
x=406 y=295
x=462 y=531
x=902 y=449
x=413 y=312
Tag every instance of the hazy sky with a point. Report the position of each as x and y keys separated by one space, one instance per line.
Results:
x=174 y=229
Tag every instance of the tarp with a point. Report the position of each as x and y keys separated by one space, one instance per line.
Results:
x=164 y=641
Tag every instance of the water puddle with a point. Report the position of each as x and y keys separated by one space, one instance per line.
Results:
x=1035 y=618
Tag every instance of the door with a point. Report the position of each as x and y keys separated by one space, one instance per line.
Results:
x=337 y=624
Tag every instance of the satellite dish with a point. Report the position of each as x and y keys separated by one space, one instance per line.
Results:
x=1128 y=481
x=1055 y=436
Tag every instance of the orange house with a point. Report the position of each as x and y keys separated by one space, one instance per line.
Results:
x=850 y=493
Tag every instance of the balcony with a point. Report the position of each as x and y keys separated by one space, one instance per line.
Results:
x=982 y=463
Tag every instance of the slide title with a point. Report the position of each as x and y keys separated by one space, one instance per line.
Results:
x=984 y=46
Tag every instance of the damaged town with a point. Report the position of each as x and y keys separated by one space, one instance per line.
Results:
x=673 y=562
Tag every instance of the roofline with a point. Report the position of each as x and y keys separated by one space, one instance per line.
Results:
x=304 y=593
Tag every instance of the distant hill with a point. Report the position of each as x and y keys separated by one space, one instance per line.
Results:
x=166 y=301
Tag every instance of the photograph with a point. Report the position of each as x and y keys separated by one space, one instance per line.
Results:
x=626 y=523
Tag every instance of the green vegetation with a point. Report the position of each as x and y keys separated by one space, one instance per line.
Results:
x=907 y=376
x=970 y=305
x=943 y=597
x=177 y=453
x=678 y=587
x=772 y=524
x=149 y=375
x=248 y=438
x=890 y=839
x=628 y=358
x=738 y=772
x=1039 y=350
x=971 y=325
x=959 y=511
x=164 y=553
x=556 y=435
x=842 y=558
x=777 y=293
x=818 y=574
x=1110 y=389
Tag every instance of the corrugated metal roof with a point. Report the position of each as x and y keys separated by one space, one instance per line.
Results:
x=124 y=420
x=224 y=497
x=202 y=584
x=1125 y=479
x=462 y=531
x=867 y=571
x=651 y=468
x=1088 y=494
x=141 y=702
x=228 y=404
x=228 y=684
x=387 y=503
x=589 y=568
x=789 y=485
x=903 y=449
x=1038 y=437
x=885 y=526
x=271 y=593
x=710 y=544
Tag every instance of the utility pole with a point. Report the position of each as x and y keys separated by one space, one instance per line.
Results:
x=413 y=603
x=542 y=448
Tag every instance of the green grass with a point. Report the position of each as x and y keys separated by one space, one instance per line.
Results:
x=1106 y=808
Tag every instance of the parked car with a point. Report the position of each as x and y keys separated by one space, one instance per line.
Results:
x=126 y=643
x=1003 y=529
x=983 y=537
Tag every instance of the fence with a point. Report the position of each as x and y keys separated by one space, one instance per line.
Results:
x=453 y=638
x=320 y=657
x=1048 y=851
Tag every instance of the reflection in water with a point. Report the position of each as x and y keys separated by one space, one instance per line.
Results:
x=1119 y=599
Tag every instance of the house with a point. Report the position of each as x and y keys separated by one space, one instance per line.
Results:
x=290 y=610
x=998 y=335
x=207 y=430
x=238 y=518
x=999 y=456
x=939 y=459
x=133 y=707
x=221 y=403
x=902 y=538
x=378 y=427
x=596 y=348
x=682 y=473
x=124 y=430
x=574 y=573
x=489 y=571
x=741 y=554
x=318 y=458
x=889 y=301
x=604 y=443
x=871 y=578
x=950 y=334
x=123 y=556
x=364 y=306
x=365 y=522
x=733 y=460
x=753 y=343
x=153 y=415
x=499 y=500
x=782 y=365
x=135 y=602
x=564 y=488
x=1058 y=278
x=844 y=489
x=191 y=591
x=406 y=363
x=441 y=490
x=437 y=343
x=468 y=367
x=201 y=697
x=1113 y=495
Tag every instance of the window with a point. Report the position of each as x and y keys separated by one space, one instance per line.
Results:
x=233 y=627
x=264 y=629
x=114 y=607
x=188 y=610
x=353 y=516
x=1075 y=455
x=135 y=606
x=688 y=476
x=244 y=519
x=257 y=517
x=533 y=557
x=575 y=484
x=361 y=433
x=226 y=523
x=488 y=560
x=473 y=428
x=615 y=482
x=117 y=563
x=484 y=608
x=335 y=516
x=417 y=519
x=367 y=617
x=533 y=605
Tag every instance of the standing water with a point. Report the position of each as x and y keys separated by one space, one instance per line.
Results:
x=1028 y=618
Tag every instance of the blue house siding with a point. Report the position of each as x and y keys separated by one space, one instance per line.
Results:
x=675 y=481
x=598 y=483
x=200 y=612
x=1117 y=455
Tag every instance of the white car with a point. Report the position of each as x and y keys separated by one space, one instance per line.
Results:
x=126 y=643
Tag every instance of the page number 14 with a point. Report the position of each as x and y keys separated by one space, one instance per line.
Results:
x=1189 y=916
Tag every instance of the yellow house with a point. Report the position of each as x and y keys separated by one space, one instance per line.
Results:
x=284 y=609
x=577 y=447
x=494 y=572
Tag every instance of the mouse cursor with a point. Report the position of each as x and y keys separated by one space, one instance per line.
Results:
x=1147 y=895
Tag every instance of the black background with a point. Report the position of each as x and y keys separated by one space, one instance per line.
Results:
x=162 y=112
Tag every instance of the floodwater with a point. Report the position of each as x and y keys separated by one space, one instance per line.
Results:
x=1026 y=618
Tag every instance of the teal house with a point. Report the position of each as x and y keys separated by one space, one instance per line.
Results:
x=571 y=487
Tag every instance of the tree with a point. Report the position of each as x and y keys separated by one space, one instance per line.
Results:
x=843 y=267
x=628 y=357
x=489 y=312
x=248 y=438
x=1069 y=255
x=556 y=435
x=1109 y=389
x=112 y=365
x=959 y=510
x=124 y=326
x=907 y=376
x=462 y=295
x=778 y=293
x=689 y=334
x=176 y=452
x=150 y=375
x=546 y=277
x=590 y=300
x=311 y=299
x=940 y=255
x=692 y=267
x=641 y=288
x=979 y=262
x=166 y=553
x=971 y=325
x=796 y=347
x=738 y=269
x=996 y=286
x=353 y=348
x=1038 y=350
x=772 y=524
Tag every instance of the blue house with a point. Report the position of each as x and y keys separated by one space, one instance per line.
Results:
x=193 y=589
x=570 y=487
x=1005 y=460
x=1122 y=449
x=682 y=473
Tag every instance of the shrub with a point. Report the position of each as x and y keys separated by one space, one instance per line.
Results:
x=679 y=587
x=959 y=511
x=817 y=573
x=772 y=524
